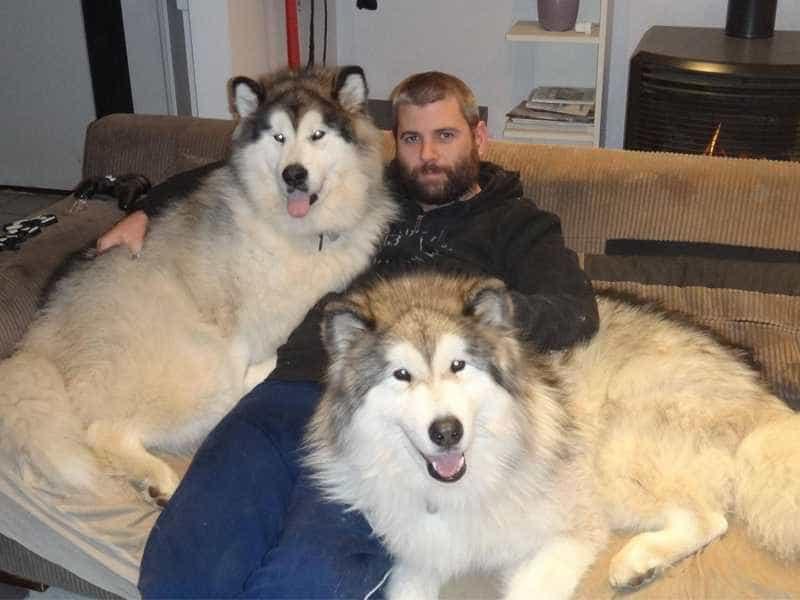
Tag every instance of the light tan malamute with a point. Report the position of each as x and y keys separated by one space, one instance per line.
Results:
x=469 y=452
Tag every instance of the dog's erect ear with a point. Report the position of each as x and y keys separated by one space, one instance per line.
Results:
x=245 y=96
x=490 y=302
x=343 y=322
x=350 y=88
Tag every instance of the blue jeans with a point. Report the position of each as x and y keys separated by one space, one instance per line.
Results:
x=246 y=522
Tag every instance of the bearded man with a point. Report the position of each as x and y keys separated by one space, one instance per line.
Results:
x=245 y=521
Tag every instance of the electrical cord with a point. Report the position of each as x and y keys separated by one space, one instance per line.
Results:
x=311 y=49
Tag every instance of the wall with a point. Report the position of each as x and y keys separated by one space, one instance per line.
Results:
x=146 y=64
x=157 y=61
x=303 y=26
x=47 y=99
x=257 y=35
x=228 y=38
x=236 y=37
x=463 y=38
x=46 y=96
x=467 y=38
x=211 y=56
x=256 y=43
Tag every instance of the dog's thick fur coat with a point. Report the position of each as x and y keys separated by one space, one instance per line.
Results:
x=468 y=451
x=130 y=355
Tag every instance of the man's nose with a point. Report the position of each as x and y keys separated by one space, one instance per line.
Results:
x=428 y=151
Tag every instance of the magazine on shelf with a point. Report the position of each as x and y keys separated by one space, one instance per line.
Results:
x=562 y=95
x=577 y=110
x=521 y=111
x=541 y=125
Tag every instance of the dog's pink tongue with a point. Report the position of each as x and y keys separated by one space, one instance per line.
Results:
x=448 y=464
x=298 y=203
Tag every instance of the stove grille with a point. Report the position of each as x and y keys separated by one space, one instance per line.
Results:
x=679 y=110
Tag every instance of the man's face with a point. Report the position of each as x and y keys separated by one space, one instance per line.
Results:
x=437 y=152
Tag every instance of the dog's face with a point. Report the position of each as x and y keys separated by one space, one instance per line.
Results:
x=421 y=381
x=432 y=398
x=305 y=149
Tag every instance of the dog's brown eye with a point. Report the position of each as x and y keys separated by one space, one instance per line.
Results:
x=317 y=135
x=402 y=375
x=279 y=137
x=457 y=365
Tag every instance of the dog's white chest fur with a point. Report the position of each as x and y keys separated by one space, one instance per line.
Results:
x=292 y=275
x=456 y=541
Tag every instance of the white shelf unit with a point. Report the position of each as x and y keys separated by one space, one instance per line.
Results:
x=533 y=32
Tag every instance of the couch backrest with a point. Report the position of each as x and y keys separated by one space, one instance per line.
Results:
x=602 y=194
x=599 y=194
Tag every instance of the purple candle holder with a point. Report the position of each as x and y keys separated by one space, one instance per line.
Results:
x=558 y=15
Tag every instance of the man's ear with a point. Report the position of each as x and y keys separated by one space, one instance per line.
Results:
x=350 y=88
x=342 y=324
x=481 y=134
x=490 y=302
x=244 y=96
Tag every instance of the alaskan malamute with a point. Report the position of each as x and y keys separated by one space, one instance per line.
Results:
x=467 y=451
x=130 y=355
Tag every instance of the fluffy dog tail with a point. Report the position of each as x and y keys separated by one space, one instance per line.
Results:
x=768 y=485
x=39 y=433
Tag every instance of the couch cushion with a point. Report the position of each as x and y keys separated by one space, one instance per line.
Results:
x=769 y=277
x=620 y=246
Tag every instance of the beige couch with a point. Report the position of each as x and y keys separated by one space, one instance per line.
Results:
x=601 y=195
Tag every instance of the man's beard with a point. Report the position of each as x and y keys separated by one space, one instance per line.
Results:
x=458 y=180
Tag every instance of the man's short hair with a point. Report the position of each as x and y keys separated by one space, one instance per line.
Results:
x=423 y=88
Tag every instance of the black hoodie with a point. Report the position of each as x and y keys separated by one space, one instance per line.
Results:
x=497 y=233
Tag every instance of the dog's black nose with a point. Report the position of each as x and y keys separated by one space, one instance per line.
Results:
x=446 y=432
x=295 y=175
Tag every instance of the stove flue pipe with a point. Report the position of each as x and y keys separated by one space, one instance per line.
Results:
x=751 y=18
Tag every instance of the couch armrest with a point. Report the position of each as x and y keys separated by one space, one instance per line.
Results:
x=24 y=274
x=157 y=146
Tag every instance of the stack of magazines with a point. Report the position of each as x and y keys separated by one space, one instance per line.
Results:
x=566 y=109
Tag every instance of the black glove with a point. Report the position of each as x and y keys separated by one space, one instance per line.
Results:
x=128 y=189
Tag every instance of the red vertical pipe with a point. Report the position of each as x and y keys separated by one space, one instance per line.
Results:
x=292 y=40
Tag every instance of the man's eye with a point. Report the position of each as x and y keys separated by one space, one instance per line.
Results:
x=447 y=135
x=410 y=139
x=402 y=375
x=280 y=138
x=317 y=135
x=457 y=365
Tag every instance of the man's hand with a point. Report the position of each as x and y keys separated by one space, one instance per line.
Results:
x=129 y=231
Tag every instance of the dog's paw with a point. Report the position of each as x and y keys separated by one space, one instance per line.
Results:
x=633 y=567
x=156 y=496
x=159 y=486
